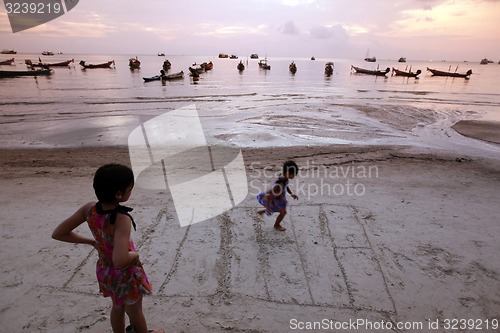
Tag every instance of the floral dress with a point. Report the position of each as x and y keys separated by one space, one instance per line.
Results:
x=124 y=286
x=275 y=202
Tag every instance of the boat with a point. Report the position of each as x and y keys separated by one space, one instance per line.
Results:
x=47 y=53
x=313 y=58
x=240 y=66
x=207 y=66
x=402 y=59
x=7 y=62
x=134 y=63
x=484 y=61
x=173 y=76
x=436 y=72
x=368 y=58
x=263 y=64
x=398 y=72
x=223 y=55
x=152 y=78
x=47 y=65
x=196 y=70
x=161 y=54
x=371 y=72
x=103 y=65
x=254 y=56
x=329 y=68
x=38 y=72
x=293 y=68
x=166 y=65
x=8 y=52
x=233 y=56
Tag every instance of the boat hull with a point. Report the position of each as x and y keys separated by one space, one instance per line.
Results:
x=39 y=72
x=436 y=72
x=370 y=72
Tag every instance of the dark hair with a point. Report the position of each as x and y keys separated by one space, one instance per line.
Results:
x=112 y=178
x=290 y=167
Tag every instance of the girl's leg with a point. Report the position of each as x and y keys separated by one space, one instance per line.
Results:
x=117 y=318
x=277 y=225
x=136 y=316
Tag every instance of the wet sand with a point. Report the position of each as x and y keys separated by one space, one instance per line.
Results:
x=482 y=130
x=416 y=240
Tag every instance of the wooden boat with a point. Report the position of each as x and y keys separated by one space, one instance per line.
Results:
x=48 y=65
x=398 y=72
x=173 y=76
x=47 y=53
x=293 y=68
x=38 y=72
x=8 y=52
x=196 y=70
x=254 y=56
x=240 y=66
x=263 y=64
x=207 y=66
x=166 y=65
x=485 y=61
x=223 y=55
x=233 y=56
x=371 y=59
x=329 y=68
x=161 y=54
x=134 y=63
x=7 y=62
x=313 y=58
x=436 y=72
x=103 y=65
x=402 y=59
x=371 y=72
x=152 y=78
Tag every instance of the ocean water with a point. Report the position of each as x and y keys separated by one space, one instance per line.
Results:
x=254 y=108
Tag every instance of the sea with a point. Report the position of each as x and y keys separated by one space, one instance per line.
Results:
x=77 y=107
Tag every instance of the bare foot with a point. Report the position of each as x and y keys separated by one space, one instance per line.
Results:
x=279 y=228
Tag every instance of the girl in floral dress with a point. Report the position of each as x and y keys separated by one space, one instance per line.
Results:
x=119 y=271
x=274 y=200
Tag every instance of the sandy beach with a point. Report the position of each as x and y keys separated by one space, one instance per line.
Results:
x=397 y=238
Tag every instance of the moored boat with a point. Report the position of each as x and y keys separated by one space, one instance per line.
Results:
x=152 y=78
x=329 y=68
x=47 y=65
x=371 y=72
x=47 y=53
x=409 y=73
x=134 y=63
x=371 y=59
x=166 y=65
x=103 y=65
x=240 y=66
x=207 y=65
x=233 y=56
x=38 y=72
x=263 y=64
x=436 y=72
x=292 y=67
x=402 y=59
x=254 y=56
x=223 y=55
x=7 y=62
x=8 y=52
x=173 y=76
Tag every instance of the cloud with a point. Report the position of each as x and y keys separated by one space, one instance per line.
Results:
x=335 y=32
x=289 y=28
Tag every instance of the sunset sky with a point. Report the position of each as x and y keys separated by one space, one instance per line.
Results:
x=416 y=29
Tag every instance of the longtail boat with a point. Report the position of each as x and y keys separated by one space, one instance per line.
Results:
x=398 y=72
x=134 y=63
x=292 y=67
x=329 y=68
x=436 y=72
x=371 y=72
x=47 y=65
x=173 y=76
x=103 y=65
x=7 y=62
x=240 y=66
x=37 y=72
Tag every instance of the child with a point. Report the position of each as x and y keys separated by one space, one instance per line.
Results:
x=119 y=271
x=275 y=199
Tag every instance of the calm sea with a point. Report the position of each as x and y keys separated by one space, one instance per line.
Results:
x=75 y=107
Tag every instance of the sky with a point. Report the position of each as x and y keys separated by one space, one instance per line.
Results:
x=336 y=29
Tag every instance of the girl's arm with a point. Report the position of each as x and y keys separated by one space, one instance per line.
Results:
x=64 y=231
x=122 y=257
x=290 y=192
